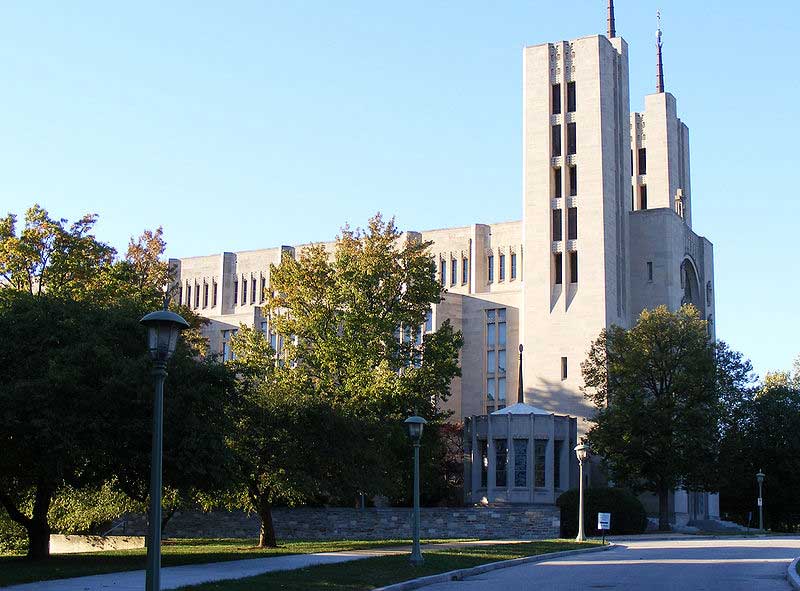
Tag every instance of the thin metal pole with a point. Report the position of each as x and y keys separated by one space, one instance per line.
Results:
x=581 y=536
x=416 y=552
x=153 y=581
x=760 y=509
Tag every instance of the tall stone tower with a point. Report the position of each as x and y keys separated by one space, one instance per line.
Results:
x=576 y=200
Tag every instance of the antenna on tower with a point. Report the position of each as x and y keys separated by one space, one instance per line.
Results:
x=612 y=30
x=660 y=66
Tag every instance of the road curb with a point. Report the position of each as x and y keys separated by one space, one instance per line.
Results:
x=457 y=575
x=791 y=574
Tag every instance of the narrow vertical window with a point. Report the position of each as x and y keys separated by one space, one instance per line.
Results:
x=558 y=446
x=573 y=181
x=244 y=291
x=205 y=294
x=502 y=267
x=556 y=139
x=453 y=271
x=464 y=270
x=501 y=393
x=572 y=223
x=180 y=294
x=643 y=197
x=263 y=289
x=236 y=292
x=571 y=98
x=649 y=270
x=559 y=265
x=557 y=184
x=501 y=462
x=563 y=368
x=539 y=459
x=556 y=99
x=214 y=294
x=557 y=225
x=490 y=262
x=572 y=138
x=188 y=296
x=513 y=265
x=253 y=288
x=483 y=447
x=429 y=321
x=642 y=160
x=196 y=296
x=573 y=267
x=443 y=272
x=521 y=462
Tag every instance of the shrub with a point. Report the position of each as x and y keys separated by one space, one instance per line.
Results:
x=627 y=512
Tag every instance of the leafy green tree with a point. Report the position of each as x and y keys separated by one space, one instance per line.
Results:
x=658 y=407
x=352 y=367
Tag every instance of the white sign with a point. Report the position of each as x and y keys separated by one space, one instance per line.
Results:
x=760 y=501
x=603 y=521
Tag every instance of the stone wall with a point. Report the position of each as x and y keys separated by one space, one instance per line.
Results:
x=520 y=522
x=61 y=544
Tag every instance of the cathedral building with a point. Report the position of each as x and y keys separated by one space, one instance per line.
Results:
x=605 y=232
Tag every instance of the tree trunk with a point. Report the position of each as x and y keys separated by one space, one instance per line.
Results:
x=165 y=517
x=38 y=528
x=663 y=509
x=266 y=534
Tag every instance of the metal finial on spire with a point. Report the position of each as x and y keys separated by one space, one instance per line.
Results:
x=520 y=395
x=660 y=66
x=612 y=29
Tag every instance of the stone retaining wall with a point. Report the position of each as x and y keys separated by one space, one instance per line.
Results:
x=61 y=544
x=520 y=522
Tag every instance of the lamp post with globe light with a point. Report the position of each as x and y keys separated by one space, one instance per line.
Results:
x=582 y=452
x=415 y=425
x=163 y=329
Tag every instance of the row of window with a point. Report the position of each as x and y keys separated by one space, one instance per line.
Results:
x=206 y=289
x=572 y=139
x=572 y=179
x=571 y=98
x=502 y=267
x=261 y=294
x=558 y=267
x=520 y=451
x=465 y=269
x=572 y=224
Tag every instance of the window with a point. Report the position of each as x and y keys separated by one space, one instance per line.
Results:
x=491 y=362
x=573 y=181
x=483 y=449
x=491 y=268
x=180 y=294
x=572 y=223
x=539 y=458
x=572 y=138
x=513 y=265
x=196 y=296
x=649 y=270
x=556 y=99
x=252 y=291
x=453 y=271
x=557 y=186
x=235 y=292
x=556 y=139
x=429 y=321
x=501 y=462
x=205 y=294
x=244 y=291
x=464 y=270
x=559 y=264
x=520 y=462
x=643 y=197
x=502 y=267
x=188 y=295
x=496 y=328
x=571 y=97
x=490 y=392
x=563 y=368
x=558 y=446
x=573 y=267
x=642 y=160
x=443 y=272
x=501 y=361
x=214 y=294
x=501 y=392
x=557 y=225
x=263 y=289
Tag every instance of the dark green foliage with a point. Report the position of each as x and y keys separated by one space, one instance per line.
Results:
x=627 y=512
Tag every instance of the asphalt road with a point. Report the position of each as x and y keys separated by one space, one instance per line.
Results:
x=752 y=564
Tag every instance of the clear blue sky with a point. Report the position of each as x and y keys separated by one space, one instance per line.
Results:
x=243 y=125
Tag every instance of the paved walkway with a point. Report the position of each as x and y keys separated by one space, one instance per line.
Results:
x=173 y=577
x=722 y=564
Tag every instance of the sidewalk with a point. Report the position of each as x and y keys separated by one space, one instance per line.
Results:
x=173 y=577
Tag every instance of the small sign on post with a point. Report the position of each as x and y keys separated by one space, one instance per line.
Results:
x=760 y=502
x=604 y=523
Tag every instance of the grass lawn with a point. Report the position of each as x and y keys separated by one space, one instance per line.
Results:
x=16 y=569
x=369 y=573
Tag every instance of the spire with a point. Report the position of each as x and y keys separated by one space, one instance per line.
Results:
x=612 y=30
x=520 y=395
x=660 y=66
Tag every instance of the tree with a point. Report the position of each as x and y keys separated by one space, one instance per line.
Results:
x=352 y=366
x=658 y=410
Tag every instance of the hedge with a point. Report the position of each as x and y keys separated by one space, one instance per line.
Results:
x=627 y=512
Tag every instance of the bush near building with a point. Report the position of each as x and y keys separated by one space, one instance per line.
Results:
x=627 y=512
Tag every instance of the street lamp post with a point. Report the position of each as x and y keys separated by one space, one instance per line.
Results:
x=582 y=452
x=415 y=425
x=760 y=479
x=163 y=329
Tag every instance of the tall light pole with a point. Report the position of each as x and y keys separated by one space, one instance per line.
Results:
x=760 y=479
x=163 y=329
x=582 y=452
x=415 y=425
